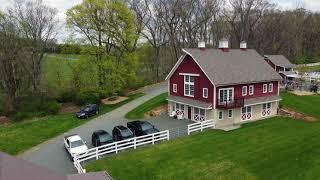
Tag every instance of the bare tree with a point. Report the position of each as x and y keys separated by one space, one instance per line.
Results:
x=38 y=24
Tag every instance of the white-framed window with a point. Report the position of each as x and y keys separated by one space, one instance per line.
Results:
x=180 y=107
x=265 y=88
x=266 y=109
x=244 y=90
x=270 y=89
x=205 y=92
x=199 y=114
x=174 y=88
x=230 y=113
x=246 y=113
x=226 y=95
x=251 y=89
x=220 y=115
x=189 y=85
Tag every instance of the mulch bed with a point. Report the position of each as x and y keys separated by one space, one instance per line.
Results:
x=114 y=101
x=69 y=108
x=157 y=111
x=4 y=120
x=296 y=115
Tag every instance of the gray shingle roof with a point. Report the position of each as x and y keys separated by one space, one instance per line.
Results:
x=263 y=99
x=280 y=60
x=189 y=101
x=233 y=67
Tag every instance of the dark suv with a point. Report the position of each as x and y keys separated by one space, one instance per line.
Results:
x=88 y=110
x=140 y=128
x=101 y=137
x=121 y=133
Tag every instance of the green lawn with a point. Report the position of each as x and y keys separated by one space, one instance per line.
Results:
x=138 y=112
x=278 y=148
x=308 y=68
x=18 y=137
x=309 y=105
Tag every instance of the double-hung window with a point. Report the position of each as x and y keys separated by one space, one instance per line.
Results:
x=220 y=115
x=244 y=90
x=174 y=88
x=189 y=85
x=230 y=113
x=225 y=95
x=205 y=92
x=265 y=88
x=270 y=89
x=251 y=89
x=246 y=113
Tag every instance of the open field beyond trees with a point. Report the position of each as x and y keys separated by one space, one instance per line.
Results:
x=20 y=136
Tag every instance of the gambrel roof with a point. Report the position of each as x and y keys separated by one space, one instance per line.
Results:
x=233 y=67
x=280 y=60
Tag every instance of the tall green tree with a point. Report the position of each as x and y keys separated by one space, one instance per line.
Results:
x=110 y=28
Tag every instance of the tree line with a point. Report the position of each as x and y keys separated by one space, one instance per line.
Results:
x=128 y=43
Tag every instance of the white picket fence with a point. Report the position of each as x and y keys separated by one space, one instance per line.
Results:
x=200 y=126
x=116 y=147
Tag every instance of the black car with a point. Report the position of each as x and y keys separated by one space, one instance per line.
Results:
x=140 y=128
x=88 y=110
x=101 y=137
x=121 y=133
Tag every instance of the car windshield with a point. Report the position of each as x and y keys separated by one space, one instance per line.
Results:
x=146 y=126
x=105 y=138
x=85 y=108
x=126 y=133
x=76 y=143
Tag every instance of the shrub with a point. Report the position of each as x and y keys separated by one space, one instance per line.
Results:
x=66 y=96
x=51 y=107
x=87 y=97
x=21 y=115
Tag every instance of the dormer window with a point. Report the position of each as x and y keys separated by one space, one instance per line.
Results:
x=189 y=85
x=270 y=89
x=205 y=92
x=244 y=90
x=251 y=90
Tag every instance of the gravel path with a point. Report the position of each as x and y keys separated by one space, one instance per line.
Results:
x=52 y=154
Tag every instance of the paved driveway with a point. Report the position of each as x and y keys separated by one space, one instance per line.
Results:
x=52 y=154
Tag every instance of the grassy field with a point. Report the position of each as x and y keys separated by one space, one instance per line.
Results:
x=278 y=148
x=138 y=112
x=309 y=105
x=18 y=137
x=308 y=68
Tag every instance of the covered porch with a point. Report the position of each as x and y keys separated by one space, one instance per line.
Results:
x=187 y=108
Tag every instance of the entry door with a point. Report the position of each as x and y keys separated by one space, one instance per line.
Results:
x=189 y=112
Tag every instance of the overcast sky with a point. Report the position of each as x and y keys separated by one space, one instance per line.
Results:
x=63 y=5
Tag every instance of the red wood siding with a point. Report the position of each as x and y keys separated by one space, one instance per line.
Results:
x=188 y=65
x=270 y=63
x=258 y=90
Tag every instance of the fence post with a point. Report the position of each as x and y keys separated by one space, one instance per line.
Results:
x=188 y=130
x=134 y=143
x=201 y=126
x=116 y=148
x=152 y=138
x=168 y=136
x=97 y=153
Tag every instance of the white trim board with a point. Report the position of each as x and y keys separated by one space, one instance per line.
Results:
x=209 y=108
x=262 y=103
x=189 y=74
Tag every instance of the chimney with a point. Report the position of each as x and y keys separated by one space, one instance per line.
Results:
x=243 y=45
x=224 y=45
x=202 y=45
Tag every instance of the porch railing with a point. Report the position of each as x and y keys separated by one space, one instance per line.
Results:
x=230 y=104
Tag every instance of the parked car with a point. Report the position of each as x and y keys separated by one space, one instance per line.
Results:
x=75 y=145
x=121 y=133
x=140 y=128
x=87 y=111
x=101 y=137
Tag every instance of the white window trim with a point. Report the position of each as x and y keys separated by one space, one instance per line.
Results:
x=270 y=89
x=246 y=114
x=232 y=98
x=251 y=86
x=189 y=74
x=266 y=109
x=231 y=113
x=193 y=113
x=189 y=83
x=246 y=87
x=203 y=93
x=219 y=115
x=174 y=88
x=265 y=90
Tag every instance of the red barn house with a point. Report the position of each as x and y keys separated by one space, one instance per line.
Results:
x=229 y=86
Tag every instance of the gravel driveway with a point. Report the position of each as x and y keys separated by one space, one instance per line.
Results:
x=52 y=154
